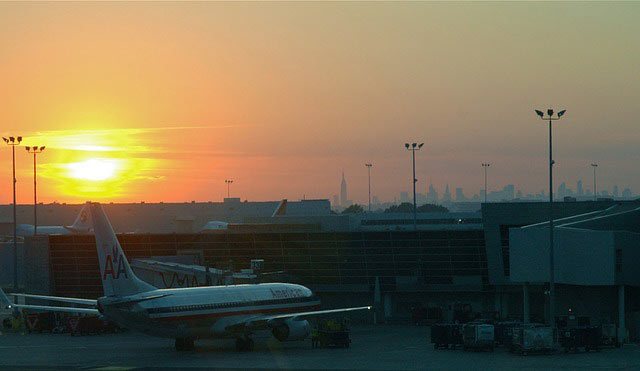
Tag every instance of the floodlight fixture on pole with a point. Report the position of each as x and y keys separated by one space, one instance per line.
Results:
x=35 y=150
x=13 y=142
x=369 y=171
x=552 y=289
x=595 y=192
x=228 y=181
x=485 y=166
x=413 y=148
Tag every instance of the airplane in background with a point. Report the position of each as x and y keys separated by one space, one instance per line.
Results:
x=187 y=314
x=80 y=225
x=216 y=225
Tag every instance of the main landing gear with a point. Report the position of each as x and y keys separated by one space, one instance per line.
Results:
x=183 y=344
x=244 y=344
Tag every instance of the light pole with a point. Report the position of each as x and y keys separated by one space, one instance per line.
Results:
x=228 y=181
x=552 y=288
x=595 y=192
x=485 y=166
x=13 y=142
x=35 y=150
x=369 y=171
x=413 y=148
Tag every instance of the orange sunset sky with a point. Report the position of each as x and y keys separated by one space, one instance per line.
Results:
x=163 y=101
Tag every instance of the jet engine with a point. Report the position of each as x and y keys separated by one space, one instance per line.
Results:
x=292 y=329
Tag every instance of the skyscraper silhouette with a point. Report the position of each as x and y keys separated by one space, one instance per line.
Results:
x=343 y=191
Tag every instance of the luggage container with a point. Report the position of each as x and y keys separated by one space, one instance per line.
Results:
x=532 y=338
x=478 y=336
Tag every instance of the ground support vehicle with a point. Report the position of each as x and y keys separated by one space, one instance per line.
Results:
x=504 y=332
x=532 y=338
x=334 y=334
x=610 y=335
x=587 y=337
x=478 y=336
x=445 y=335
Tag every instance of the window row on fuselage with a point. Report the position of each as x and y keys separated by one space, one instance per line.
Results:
x=235 y=304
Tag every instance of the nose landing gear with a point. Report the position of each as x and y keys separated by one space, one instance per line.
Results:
x=184 y=344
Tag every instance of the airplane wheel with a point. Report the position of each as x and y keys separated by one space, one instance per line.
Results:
x=180 y=344
x=249 y=344
x=188 y=344
x=240 y=344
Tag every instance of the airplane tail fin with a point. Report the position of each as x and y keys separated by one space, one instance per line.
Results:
x=81 y=224
x=116 y=274
x=281 y=209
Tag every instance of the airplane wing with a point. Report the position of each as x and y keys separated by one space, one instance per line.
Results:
x=59 y=299
x=6 y=304
x=54 y=309
x=312 y=313
x=269 y=320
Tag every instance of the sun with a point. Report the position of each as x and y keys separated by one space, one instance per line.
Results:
x=94 y=169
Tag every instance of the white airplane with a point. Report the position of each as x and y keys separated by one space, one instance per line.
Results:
x=187 y=314
x=80 y=225
x=215 y=225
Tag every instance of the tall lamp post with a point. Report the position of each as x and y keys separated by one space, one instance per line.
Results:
x=485 y=166
x=13 y=142
x=228 y=181
x=369 y=171
x=35 y=150
x=552 y=288
x=595 y=192
x=413 y=148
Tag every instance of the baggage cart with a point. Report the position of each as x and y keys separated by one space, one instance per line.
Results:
x=334 y=338
x=532 y=338
x=334 y=333
x=610 y=335
x=478 y=336
x=587 y=337
x=504 y=332
x=446 y=335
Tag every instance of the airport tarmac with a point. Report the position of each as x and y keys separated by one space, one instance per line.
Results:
x=382 y=347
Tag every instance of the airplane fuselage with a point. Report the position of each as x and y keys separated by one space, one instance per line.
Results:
x=27 y=229
x=205 y=312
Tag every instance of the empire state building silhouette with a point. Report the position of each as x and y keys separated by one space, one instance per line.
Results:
x=343 y=192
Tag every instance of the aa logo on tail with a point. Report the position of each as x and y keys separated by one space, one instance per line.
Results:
x=112 y=260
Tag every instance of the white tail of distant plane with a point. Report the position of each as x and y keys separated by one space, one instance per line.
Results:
x=81 y=224
x=116 y=274
x=281 y=209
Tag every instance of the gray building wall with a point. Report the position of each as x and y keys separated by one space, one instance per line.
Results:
x=499 y=217
x=580 y=257
x=6 y=264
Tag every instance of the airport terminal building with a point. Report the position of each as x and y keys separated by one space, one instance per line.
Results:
x=493 y=262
